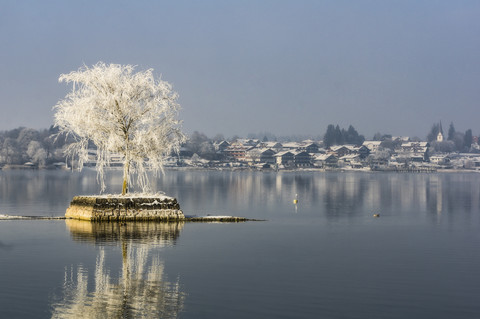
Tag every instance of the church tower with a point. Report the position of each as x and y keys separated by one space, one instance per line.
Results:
x=440 y=137
x=440 y=133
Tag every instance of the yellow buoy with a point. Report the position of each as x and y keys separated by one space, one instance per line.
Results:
x=295 y=201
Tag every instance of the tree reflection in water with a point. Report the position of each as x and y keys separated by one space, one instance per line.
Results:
x=140 y=290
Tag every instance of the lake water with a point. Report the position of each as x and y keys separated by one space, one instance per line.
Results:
x=326 y=257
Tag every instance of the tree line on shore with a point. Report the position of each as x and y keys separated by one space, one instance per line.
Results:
x=39 y=147
x=454 y=141
x=45 y=148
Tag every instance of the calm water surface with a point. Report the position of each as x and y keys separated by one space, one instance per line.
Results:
x=325 y=257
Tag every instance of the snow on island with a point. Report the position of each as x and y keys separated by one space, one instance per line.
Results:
x=6 y=216
x=220 y=219
x=131 y=196
x=16 y=217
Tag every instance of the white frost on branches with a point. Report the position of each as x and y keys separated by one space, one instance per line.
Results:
x=121 y=112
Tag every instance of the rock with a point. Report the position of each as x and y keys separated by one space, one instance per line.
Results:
x=124 y=208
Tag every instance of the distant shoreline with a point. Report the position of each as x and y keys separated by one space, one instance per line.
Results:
x=253 y=169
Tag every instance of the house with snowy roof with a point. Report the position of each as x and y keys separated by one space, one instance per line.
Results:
x=285 y=158
x=221 y=146
x=236 y=152
x=440 y=159
x=341 y=150
x=302 y=159
x=276 y=146
x=325 y=160
x=291 y=146
x=414 y=151
x=372 y=145
x=260 y=155
x=361 y=150
x=309 y=147
x=352 y=160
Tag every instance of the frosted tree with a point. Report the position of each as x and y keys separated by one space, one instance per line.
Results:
x=122 y=112
x=36 y=153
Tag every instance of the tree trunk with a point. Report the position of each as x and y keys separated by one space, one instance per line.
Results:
x=125 y=177
x=126 y=164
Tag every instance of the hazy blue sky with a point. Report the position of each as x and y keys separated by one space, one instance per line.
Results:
x=287 y=67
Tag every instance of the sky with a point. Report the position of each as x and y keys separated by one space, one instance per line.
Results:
x=240 y=67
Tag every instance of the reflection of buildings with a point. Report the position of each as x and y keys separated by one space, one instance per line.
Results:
x=334 y=194
x=140 y=290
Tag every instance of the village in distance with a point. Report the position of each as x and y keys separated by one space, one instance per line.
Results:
x=339 y=149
